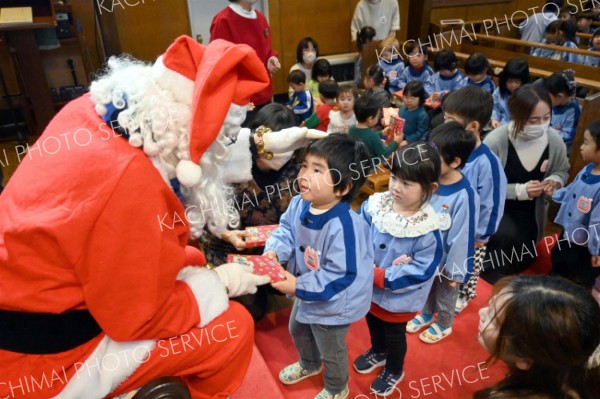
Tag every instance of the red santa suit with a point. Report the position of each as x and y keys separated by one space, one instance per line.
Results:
x=94 y=296
x=250 y=28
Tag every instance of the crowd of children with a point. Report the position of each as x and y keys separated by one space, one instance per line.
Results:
x=410 y=260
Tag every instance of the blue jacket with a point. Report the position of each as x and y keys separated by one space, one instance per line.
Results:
x=579 y=212
x=457 y=206
x=486 y=175
x=558 y=55
x=590 y=59
x=332 y=256
x=442 y=84
x=302 y=104
x=409 y=249
x=565 y=119
x=424 y=76
x=500 y=112
x=485 y=84
x=393 y=70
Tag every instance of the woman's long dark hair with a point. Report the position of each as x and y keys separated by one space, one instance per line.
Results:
x=554 y=324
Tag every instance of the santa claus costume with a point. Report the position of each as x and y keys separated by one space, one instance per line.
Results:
x=95 y=298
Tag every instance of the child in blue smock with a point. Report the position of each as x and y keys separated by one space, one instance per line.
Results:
x=576 y=254
x=565 y=107
x=514 y=75
x=328 y=253
x=408 y=250
x=457 y=205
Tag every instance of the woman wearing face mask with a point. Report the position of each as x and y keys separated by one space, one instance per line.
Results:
x=240 y=23
x=307 y=53
x=534 y=158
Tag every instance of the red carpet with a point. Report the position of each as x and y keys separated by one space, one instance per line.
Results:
x=453 y=368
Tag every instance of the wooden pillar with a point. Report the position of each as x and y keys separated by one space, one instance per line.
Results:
x=419 y=13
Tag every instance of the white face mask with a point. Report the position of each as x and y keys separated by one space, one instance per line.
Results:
x=309 y=58
x=532 y=132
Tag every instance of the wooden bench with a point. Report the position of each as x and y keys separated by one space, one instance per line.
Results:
x=585 y=76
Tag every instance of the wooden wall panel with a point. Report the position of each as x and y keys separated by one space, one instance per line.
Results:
x=147 y=29
x=328 y=22
x=8 y=70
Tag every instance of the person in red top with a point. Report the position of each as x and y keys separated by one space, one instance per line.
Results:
x=241 y=23
x=328 y=91
x=99 y=293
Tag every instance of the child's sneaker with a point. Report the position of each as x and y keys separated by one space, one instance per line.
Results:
x=295 y=373
x=369 y=361
x=324 y=394
x=385 y=383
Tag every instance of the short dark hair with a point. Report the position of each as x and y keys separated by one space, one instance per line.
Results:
x=328 y=89
x=365 y=108
x=412 y=45
x=304 y=44
x=515 y=68
x=297 y=77
x=569 y=30
x=275 y=116
x=348 y=89
x=415 y=88
x=376 y=73
x=471 y=103
x=476 y=63
x=342 y=153
x=452 y=141
x=554 y=26
x=522 y=103
x=594 y=129
x=561 y=82
x=418 y=162
x=322 y=67
x=365 y=35
x=445 y=59
x=558 y=4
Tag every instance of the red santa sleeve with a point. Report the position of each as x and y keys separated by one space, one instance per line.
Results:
x=130 y=263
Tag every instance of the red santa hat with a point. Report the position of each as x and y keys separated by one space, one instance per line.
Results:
x=209 y=79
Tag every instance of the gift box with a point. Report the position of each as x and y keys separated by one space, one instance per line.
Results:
x=261 y=265
x=258 y=235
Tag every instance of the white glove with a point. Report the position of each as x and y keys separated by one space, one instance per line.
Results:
x=285 y=140
x=239 y=280
x=278 y=160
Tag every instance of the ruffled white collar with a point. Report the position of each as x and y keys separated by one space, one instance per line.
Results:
x=381 y=209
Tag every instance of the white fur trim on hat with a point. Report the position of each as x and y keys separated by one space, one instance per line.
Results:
x=188 y=173
x=181 y=87
x=209 y=291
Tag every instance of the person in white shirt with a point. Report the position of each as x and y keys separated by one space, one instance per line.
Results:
x=383 y=15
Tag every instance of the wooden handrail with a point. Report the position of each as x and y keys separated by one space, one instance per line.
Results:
x=584 y=35
x=524 y=43
x=543 y=73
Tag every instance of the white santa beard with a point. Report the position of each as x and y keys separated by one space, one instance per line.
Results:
x=161 y=124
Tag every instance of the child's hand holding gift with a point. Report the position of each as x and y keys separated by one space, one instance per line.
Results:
x=287 y=286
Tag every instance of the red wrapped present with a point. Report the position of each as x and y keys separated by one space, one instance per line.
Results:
x=258 y=235
x=261 y=265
